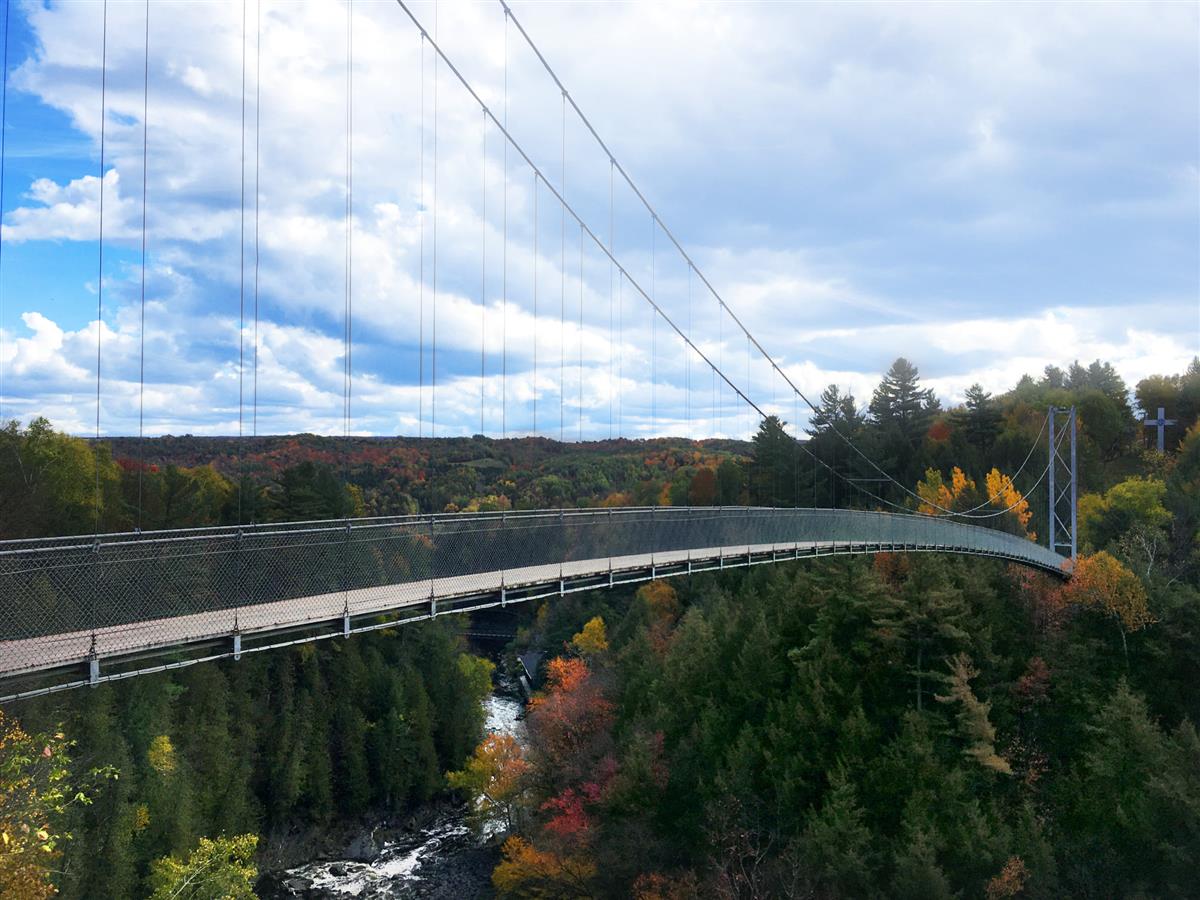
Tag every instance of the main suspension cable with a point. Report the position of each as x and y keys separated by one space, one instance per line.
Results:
x=679 y=247
x=539 y=176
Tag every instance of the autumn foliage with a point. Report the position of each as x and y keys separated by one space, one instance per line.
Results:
x=962 y=495
x=494 y=778
x=34 y=794
x=526 y=871
x=1101 y=582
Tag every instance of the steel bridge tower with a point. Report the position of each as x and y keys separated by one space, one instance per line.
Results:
x=1063 y=483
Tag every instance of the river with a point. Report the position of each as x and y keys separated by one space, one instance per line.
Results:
x=441 y=859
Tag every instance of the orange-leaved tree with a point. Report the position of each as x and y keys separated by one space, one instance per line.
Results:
x=1003 y=493
x=1100 y=581
x=494 y=779
x=936 y=495
x=526 y=871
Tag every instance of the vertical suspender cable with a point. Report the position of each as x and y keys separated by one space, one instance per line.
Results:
x=562 y=278
x=348 y=349
x=796 y=456
x=483 y=276
x=100 y=247
x=99 y=331
x=242 y=284
x=535 y=304
x=749 y=413
x=653 y=332
x=433 y=335
x=348 y=335
x=721 y=356
x=687 y=356
x=535 y=301
x=713 y=412
x=580 y=438
x=421 y=266
x=257 y=197
x=504 y=278
x=3 y=160
x=611 y=336
x=142 y=316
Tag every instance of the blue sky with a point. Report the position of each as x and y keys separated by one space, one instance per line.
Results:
x=985 y=188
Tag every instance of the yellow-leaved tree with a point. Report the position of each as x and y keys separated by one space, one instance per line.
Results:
x=937 y=496
x=494 y=779
x=218 y=869
x=526 y=871
x=1101 y=582
x=35 y=791
x=593 y=639
x=1003 y=493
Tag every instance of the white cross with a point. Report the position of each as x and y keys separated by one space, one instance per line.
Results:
x=1161 y=424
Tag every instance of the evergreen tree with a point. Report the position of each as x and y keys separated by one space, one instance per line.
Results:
x=979 y=418
x=774 y=467
x=900 y=402
x=902 y=412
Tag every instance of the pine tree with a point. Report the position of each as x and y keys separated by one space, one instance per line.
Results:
x=979 y=419
x=925 y=620
x=900 y=401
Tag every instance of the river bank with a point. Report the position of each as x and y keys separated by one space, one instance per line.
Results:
x=430 y=853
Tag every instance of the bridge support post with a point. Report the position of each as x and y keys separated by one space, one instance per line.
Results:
x=93 y=669
x=1062 y=483
x=237 y=646
x=346 y=623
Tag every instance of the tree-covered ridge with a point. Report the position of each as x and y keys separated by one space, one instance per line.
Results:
x=905 y=727
x=274 y=744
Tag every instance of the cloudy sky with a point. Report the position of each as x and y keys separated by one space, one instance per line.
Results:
x=986 y=189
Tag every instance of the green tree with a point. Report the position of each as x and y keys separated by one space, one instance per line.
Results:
x=979 y=418
x=926 y=621
x=902 y=412
x=773 y=470
x=730 y=481
x=217 y=869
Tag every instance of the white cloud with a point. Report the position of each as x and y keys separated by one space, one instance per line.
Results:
x=917 y=125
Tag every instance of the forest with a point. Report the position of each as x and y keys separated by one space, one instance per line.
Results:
x=897 y=725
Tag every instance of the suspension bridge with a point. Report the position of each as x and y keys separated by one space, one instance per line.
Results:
x=83 y=609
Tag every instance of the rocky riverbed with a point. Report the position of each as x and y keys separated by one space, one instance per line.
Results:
x=431 y=854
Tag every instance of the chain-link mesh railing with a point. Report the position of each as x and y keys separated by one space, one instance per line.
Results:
x=64 y=600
